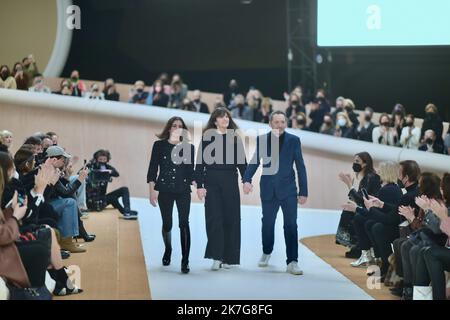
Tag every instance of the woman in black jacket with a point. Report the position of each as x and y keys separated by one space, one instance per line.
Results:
x=370 y=221
x=173 y=155
x=217 y=181
x=364 y=178
x=432 y=121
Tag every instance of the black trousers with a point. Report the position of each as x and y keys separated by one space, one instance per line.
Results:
x=382 y=236
x=359 y=224
x=345 y=234
x=398 y=255
x=114 y=196
x=166 y=201
x=410 y=252
x=35 y=257
x=223 y=216
x=431 y=264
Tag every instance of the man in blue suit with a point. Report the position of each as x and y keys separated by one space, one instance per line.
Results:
x=278 y=151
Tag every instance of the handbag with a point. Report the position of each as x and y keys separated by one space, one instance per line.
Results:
x=41 y=293
x=422 y=293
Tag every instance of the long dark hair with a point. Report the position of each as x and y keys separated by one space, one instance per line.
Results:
x=219 y=113
x=6 y=164
x=165 y=134
x=430 y=185
x=367 y=159
x=445 y=186
x=8 y=72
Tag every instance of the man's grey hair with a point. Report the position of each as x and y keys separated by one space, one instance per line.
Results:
x=275 y=113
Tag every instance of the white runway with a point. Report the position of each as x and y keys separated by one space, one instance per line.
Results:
x=247 y=281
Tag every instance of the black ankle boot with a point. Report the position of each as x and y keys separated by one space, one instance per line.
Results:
x=167 y=238
x=185 y=266
x=64 y=285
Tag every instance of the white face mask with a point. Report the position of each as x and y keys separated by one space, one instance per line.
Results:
x=342 y=122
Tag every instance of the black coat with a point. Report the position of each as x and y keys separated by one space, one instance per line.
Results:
x=370 y=182
x=366 y=134
x=434 y=123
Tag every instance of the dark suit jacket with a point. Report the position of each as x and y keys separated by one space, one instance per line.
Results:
x=281 y=183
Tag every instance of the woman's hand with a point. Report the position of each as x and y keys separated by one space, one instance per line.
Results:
x=349 y=206
x=373 y=202
x=201 y=193
x=19 y=211
x=439 y=209
x=347 y=179
x=423 y=202
x=154 y=198
x=407 y=212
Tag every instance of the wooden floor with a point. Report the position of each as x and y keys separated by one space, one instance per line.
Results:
x=113 y=268
x=326 y=249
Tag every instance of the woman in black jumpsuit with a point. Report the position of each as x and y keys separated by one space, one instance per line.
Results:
x=174 y=156
x=221 y=154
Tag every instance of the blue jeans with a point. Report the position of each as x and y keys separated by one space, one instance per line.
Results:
x=270 y=209
x=67 y=210
x=81 y=193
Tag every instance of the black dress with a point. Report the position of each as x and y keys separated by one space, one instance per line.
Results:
x=222 y=203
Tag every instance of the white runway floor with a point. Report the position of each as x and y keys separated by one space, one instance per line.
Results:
x=247 y=281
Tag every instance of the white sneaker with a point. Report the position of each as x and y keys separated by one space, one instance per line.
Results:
x=264 y=261
x=293 y=268
x=216 y=265
x=226 y=266
x=364 y=260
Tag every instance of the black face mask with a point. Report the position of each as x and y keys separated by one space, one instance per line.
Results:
x=409 y=124
x=197 y=100
x=385 y=124
x=429 y=141
x=4 y=74
x=357 y=167
x=367 y=118
x=328 y=123
x=348 y=109
x=294 y=103
x=431 y=114
x=140 y=90
x=302 y=122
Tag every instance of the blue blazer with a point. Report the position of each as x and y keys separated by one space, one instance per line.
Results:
x=279 y=184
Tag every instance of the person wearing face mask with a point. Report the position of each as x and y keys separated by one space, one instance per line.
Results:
x=349 y=107
x=7 y=81
x=364 y=177
x=21 y=78
x=338 y=108
x=294 y=109
x=384 y=133
x=30 y=68
x=344 y=127
x=431 y=143
x=366 y=126
x=65 y=88
x=109 y=90
x=323 y=101
x=95 y=93
x=231 y=93
x=138 y=94
x=410 y=137
x=172 y=184
x=158 y=97
x=432 y=121
x=188 y=106
x=199 y=105
x=38 y=85
x=328 y=125
x=398 y=117
x=78 y=86
x=241 y=110
x=317 y=112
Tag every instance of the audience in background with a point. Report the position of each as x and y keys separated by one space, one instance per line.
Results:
x=21 y=78
x=197 y=102
x=95 y=93
x=231 y=93
x=432 y=121
x=30 y=68
x=38 y=85
x=410 y=136
x=366 y=126
x=398 y=118
x=328 y=126
x=158 y=97
x=385 y=133
x=344 y=126
x=77 y=85
x=431 y=143
x=138 y=95
x=240 y=109
x=109 y=90
x=7 y=81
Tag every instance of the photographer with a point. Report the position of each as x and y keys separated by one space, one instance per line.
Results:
x=100 y=164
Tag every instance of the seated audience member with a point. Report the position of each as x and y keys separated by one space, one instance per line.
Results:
x=65 y=89
x=344 y=126
x=38 y=85
x=100 y=163
x=109 y=90
x=369 y=220
x=6 y=139
x=384 y=133
x=431 y=143
x=21 y=78
x=321 y=98
x=432 y=121
x=338 y=108
x=53 y=136
x=241 y=110
x=433 y=260
x=263 y=114
x=366 y=126
x=299 y=122
x=77 y=85
x=187 y=105
x=363 y=177
x=138 y=95
x=429 y=186
x=36 y=142
x=316 y=115
x=294 y=108
x=199 y=105
x=231 y=93
x=178 y=92
x=410 y=137
x=398 y=118
x=24 y=264
x=7 y=81
x=95 y=93
x=158 y=97
x=349 y=107
x=328 y=126
x=30 y=68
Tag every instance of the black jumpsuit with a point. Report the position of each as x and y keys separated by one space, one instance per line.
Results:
x=222 y=204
